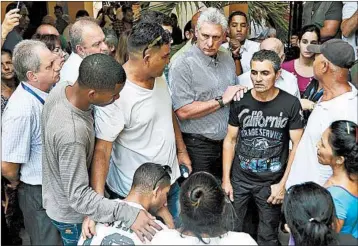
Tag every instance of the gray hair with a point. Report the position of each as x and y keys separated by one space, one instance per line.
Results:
x=212 y=16
x=268 y=55
x=111 y=38
x=76 y=31
x=26 y=57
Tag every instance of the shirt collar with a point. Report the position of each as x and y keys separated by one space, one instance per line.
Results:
x=207 y=59
x=350 y=95
x=39 y=92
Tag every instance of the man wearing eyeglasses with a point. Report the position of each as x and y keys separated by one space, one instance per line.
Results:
x=202 y=81
x=86 y=38
x=138 y=128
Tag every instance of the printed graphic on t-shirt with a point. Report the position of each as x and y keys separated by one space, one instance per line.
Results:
x=260 y=148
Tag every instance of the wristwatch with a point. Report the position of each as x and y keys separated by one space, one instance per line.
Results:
x=219 y=99
x=236 y=57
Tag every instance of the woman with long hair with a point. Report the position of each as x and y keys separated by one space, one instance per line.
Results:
x=338 y=148
x=302 y=67
x=309 y=213
x=207 y=216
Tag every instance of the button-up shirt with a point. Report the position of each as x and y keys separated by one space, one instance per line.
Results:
x=70 y=69
x=195 y=76
x=21 y=133
x=247 y=51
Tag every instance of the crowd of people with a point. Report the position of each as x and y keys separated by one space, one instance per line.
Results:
x=101 y=118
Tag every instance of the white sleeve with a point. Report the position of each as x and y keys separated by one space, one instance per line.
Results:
x=349 y=8
x=109 y=121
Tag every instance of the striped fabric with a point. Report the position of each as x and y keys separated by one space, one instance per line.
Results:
x=196 y=77
x=21 y=133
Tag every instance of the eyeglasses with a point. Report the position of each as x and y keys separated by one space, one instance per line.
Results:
x=167 y=171
x=153 y=43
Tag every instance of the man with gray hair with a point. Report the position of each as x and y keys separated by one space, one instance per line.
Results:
x=287 y=81
x=256 y=156
x=202 y=81
x=86 y=38
x=21 y=161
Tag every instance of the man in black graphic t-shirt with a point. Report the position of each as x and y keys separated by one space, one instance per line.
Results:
x=258 y=164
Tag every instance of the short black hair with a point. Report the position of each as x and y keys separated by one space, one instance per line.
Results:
x=58 y=7
x=204 y=207
x=126 y=8
x=310 y=213
x=310 y=28
x=101 y=72
x=143 y=34
x=268 y=55
x=6 y=51
x=81 y=13
x=149 y=176
x=235 y=13
x=12 y=6
x=152 y=16
x=343 y=140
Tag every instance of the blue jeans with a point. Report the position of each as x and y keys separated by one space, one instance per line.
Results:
x=70 y=233
x=173 y=201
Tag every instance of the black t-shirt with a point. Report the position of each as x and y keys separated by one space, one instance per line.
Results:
x=263 y=141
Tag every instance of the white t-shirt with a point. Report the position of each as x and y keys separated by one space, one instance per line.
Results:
x=173 y=237
x=140 y=125
x=117 y=233
x=305 y=166
x=247 y=51
x=349 y=8
x=286 y=82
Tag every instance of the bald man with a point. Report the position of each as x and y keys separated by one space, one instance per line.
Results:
x=286 y=81
x=47 y=29
x=86 y=38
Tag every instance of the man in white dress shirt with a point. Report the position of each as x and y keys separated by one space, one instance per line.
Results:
x=286 y=81
x=21 y=163
x=86 y=38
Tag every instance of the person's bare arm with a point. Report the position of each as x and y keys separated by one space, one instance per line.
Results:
x=350 y=25
x=228 y=156
x=277 y=190
x=329 y=29
x=238 y=67
x=100 y=165
x=182 y=153
x=10 y=171
x=198 y=109
x=12 y=19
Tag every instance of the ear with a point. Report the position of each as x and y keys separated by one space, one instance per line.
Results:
x=196 y=33
x=287 y=228
x=91 y=94
x=156 y=192
x=79 y=50
x=31 y=76
x=112 y=48
x=283 y=58
x=146 y=59
x=325 y=66
x=339 y=160
x=278 y=74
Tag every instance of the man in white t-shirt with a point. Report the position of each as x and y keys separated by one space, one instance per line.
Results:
x=349 y=25
x=140 y=125
x=150 y=187
x=286 y=81
x=339 y=102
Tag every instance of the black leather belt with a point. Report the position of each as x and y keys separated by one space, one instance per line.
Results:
x=201 y=137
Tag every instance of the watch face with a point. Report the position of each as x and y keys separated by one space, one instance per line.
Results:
x=218 y=98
